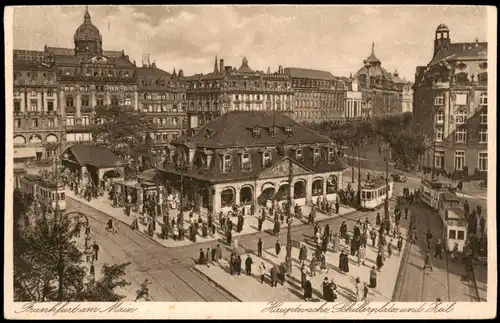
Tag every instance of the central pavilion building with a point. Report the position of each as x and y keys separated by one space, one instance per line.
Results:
x=242 y=158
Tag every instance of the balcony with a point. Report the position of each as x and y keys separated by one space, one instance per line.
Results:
x=86 y=109
x=70 y=109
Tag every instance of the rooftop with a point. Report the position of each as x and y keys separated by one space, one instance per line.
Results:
x=459 y=51
x=309 y=73
x=100 y=157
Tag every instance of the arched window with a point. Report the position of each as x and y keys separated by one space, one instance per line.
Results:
x=85 y=101
x=70 y=103
x=461 y=77
x=114 y=101
x=175 y=122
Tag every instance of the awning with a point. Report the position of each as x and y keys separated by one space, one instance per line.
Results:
x=24 y=152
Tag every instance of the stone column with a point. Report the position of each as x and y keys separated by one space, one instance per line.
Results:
x=39 y=102
x=237 y=195
x=62 y=102
x=94 y=100
x=108 y=97
x=216 y=199
x=78 y=105
x=44 y=106
x=309 y=188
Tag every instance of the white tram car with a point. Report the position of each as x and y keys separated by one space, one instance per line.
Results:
x=430 y=191
x=46 y=193
x=373 y=193
x=452 y=215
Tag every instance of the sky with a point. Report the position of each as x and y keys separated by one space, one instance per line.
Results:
x=331 y=38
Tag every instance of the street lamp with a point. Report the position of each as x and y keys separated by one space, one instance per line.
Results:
x=386 y=202
x=289 y=218
x=60 y=261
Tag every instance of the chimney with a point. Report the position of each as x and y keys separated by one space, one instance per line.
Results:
x=221 y=66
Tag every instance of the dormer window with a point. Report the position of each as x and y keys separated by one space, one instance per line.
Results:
x=227 y=164
x=331 y=155
x=266 y=159
x=256 y=131
x=246 y=162
x=298 y=154
x=316 y=154
x=288 y=130
x=272 y=132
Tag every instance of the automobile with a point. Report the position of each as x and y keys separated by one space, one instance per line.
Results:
x=398 y=177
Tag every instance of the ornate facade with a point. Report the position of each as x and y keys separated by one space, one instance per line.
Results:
x=37 y=115
x=243 y=157
x=319 y=96
x=451 y=105
x=230 y=89
x=382 y=91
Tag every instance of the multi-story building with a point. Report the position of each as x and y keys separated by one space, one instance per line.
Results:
x=354 y=106
x=37 y=115
x=243 y=158
x=163 y=96
x=451 y=106
x=230 y=89
x=407 y=100
x=382 y=91
x=319 y=96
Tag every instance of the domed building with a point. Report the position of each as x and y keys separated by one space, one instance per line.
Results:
x=381 y=90
x=450 y=98
x=88 y=39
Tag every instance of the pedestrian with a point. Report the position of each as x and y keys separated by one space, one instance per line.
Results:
x=238 y=264
x=278 y=248
x=380 y=261
x=110 y=225
x=207 y=255
x=307 y=290
x=92 y=269
x=274 y=276
x=259 y=248
x=335 y=243
x=322 y=259
x=377 y=219
x=428 y=238
x=365 y=292
x=406 y=212
x=373 y=236
x=439 y=248
x=359 y=290
x=326 y=290
x=201 y=258
x=303 y=275
x=143 y=291
x=389 y=248
x=427 y=261
x=282 y=273
x=373 y=277
x=344 y=262
x=213 y=255
x=218 y=253
x=313 y=265
x=95 y=248
x=262 y=271
x=303 y=255
x=361 y=255
x=400 y=245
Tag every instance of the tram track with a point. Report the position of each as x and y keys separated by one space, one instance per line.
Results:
x=197 y=291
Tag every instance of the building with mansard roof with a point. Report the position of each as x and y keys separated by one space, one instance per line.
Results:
x=229 y=88
x=242 y=157
x=451 y=106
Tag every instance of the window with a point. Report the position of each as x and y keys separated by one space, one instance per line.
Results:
x=439 y=159
x=51 y=123
x=331 y=155
x=50 y=93
x=175 y=122
x=33 y=93
x=288 y=130
x=227 y=163
x=175 y=135
x=439 y=99
x=452 y=234
x=34 y=123
x=460 y=235
x=459 y=159
x=70 y=121
x=17 y=123
x=298 y=154
x=316 y=153
x=85 y=101
x=50 y=106
x=246 y=164
x=17 y=106
x=482 y=161
x=439 y=117
x=439 y=133
x=33 y=106
x=100 y=101
x=483 y=117
x=272 y=132
x=461 y=117
x=69 y=102
x=461 y=135
x=85 y=120
x=267 y=158
x=256 y=131
x=483 y=98
x=483 y=136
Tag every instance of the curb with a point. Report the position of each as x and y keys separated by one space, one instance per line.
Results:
x=216 y=284
x=398 y=288
x=128 y=225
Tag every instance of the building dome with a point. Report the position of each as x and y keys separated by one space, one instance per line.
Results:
x=87 y=37
x=442 y=27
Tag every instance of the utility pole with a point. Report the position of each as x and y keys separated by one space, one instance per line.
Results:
x=386 y=202
x=433 y=159
x=289 y=218
x=359 y=178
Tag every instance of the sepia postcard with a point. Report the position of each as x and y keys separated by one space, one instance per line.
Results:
x=309 y=161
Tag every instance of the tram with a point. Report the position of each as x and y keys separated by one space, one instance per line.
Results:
x=47 y=193
x=430 y=191
x=374 y=193
x=455 y=224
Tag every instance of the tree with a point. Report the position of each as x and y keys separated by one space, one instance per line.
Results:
x=407 y=146
x=44 y=251
x=123 y=130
